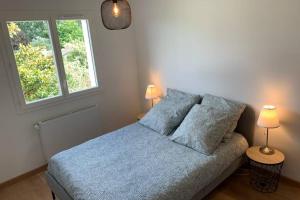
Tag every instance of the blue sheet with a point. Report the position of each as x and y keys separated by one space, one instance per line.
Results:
x=136 y=163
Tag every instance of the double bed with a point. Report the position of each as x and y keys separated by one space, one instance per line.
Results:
x=137 y=163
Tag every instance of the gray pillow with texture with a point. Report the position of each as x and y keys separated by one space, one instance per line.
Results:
x=202 y=129
x=235 y=109
x=170 y=111
x=182 y=96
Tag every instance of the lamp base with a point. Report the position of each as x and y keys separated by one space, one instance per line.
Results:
x=266 y=150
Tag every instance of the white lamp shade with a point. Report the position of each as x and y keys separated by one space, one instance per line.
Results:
x=268 y=117
x=151 y=92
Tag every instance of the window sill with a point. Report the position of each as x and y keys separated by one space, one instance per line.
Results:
x=43 y=104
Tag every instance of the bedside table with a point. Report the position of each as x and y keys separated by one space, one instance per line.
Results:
x=265 y=170
x=140 y=116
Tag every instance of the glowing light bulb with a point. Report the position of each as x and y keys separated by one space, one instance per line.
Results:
x=116 y=10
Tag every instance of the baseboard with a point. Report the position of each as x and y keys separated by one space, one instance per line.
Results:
x=23 y=176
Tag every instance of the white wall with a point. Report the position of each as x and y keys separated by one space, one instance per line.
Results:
x=20 y=149
x=247 y=50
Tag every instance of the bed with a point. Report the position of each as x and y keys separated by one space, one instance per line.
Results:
x=157 y=168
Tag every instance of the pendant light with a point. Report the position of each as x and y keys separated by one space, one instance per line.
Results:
x=116 y=14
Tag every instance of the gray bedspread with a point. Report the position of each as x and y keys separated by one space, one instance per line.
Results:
x=136 y=163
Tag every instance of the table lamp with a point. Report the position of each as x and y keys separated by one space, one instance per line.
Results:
x=268 y=119
x=151 y=93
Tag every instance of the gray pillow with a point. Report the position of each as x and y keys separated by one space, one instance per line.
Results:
x=235 y=109
x=202 y=129
x=182 y=96
x=169 y=112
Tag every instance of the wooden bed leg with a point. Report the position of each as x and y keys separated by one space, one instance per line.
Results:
x=53 y=195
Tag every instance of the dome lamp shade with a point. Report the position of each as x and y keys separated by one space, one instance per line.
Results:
x=116 y=14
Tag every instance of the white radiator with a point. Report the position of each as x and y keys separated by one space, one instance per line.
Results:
x=68 y=130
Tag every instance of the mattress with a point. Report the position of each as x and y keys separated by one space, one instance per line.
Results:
x=136 y=163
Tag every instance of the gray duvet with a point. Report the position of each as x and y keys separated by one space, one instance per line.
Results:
x=136 y=163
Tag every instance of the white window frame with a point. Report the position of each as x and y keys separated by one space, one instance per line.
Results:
x=12 y=70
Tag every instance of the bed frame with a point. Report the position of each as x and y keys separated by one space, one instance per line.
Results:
x=59 y=193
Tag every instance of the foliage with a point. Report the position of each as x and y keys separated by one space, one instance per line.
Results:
x=37 y=73
x=77 y=55
x=34 y=29
x=42 y=42
x=35 y=61
x=75 y=60
x=17 y=36
x=76 y=67
x=13 y=29
x=69 y=31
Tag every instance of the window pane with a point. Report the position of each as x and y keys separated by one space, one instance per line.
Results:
x=35 y=60
x=76 y=50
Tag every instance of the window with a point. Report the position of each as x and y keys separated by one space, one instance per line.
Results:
x=47 y=70
x=34 y=58
x=77 y=55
